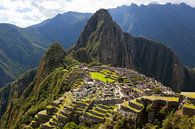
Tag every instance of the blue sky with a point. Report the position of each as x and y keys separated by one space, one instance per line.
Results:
x=28 y=12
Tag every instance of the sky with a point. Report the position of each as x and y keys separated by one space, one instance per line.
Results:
x=24 y=13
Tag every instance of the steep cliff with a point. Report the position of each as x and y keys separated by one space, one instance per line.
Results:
x=103 y=40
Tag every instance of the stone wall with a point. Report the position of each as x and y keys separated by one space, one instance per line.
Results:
x=188 y=111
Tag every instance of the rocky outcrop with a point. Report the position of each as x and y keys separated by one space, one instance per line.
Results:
x=105 y=42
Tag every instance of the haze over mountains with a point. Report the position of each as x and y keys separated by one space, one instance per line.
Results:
x=172 y=25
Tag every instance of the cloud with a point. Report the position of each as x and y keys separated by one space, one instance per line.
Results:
x=23 y=10
x=28 y=12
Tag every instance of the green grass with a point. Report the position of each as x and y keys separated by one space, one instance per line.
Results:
x=137 y=90
x=188 y=94
x=161 y=98
x=135 y=102
x=112 y=74
x=93 y=110
x=102 y=118
x=49 y=107
x=106 y=106
x=189 y=106
x=48 y=124
x=126 y=104
x=44 y=112
x=80 y=109
x=101 y=109
x=101 y=77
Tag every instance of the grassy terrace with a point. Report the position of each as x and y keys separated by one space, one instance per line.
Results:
x=54 y=119
x=104 y=75
x=95 y=116
x=135 y=102
x=152 y=98
x=188 y=94
x=101 y=109
x=137 y=90
x=101 y=77
x=104 y=111
x=189 y=106
x=126 y=104
x=106 y=106
x=108 y=72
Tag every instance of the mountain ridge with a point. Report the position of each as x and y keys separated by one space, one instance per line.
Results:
x=174 y=31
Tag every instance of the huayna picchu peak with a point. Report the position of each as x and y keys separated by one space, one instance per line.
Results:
x=108 y=80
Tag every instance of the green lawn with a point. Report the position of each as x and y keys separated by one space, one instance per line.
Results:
x=189 y=106
x=161 y=98
x=101 y=77
x=188 y=94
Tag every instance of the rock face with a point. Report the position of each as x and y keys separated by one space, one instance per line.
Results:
x=102 y=40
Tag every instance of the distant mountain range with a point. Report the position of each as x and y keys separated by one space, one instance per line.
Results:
x=173 y=25
x=17 y=52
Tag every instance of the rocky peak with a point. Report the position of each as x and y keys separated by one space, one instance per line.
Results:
x=99 y=25
x=102 y=38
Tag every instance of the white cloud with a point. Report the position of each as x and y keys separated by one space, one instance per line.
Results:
x=27 y=12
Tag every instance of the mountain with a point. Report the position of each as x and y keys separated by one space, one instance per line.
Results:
x=87 y=86
x=169 y=24
x=64 y=28
x=102 y=40
x=22 y=48
x=17 y=53
x=33 y=84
